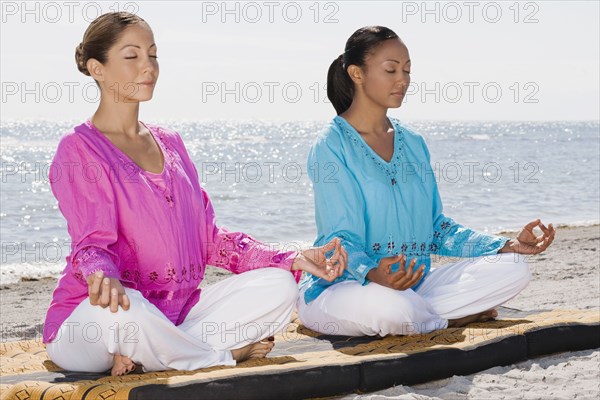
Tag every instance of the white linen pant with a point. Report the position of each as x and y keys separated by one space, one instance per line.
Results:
x=453 y=290
x=232 y=313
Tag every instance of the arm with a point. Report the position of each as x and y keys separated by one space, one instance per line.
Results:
x=86 y=200
x=239 y=252
x=234 y=251
x=339 y=205
x=451 y=238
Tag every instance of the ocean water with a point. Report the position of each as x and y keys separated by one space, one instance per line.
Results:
x=492 y=176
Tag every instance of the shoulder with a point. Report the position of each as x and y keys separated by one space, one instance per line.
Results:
x=76 y=142
x=170 y=138
x=407 y=130
x=409 y=133
x=330 y=140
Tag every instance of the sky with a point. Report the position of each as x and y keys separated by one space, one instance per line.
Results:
x=268 y=60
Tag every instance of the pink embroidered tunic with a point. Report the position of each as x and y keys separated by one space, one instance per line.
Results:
x=154 y=232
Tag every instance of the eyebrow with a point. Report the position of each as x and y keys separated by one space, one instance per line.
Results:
x=135 y=45
x=398 y=62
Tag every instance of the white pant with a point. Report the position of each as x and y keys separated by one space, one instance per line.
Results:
x=454 y=290
x=232 y=313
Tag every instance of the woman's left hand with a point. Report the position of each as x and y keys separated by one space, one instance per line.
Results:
x=527 y=242
x=315 y=261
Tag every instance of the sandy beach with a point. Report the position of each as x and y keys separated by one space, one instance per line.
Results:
x=566 y=276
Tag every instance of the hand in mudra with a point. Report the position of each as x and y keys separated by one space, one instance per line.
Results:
x=315 y=261
x=527 y=242
x=107 y=292
x=404 y=278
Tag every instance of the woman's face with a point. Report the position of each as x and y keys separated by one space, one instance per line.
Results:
x=131 y=70
x=386 y=75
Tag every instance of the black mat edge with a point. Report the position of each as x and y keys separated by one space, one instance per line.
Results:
x=370 y=376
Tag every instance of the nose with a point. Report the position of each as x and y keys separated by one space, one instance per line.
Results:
x=403 y=83
x=150 y=65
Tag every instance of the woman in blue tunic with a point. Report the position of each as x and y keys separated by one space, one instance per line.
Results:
x=375 y=189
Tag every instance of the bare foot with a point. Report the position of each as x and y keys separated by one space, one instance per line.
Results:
x=480 y=317
x=254 y=350
x=122 y=366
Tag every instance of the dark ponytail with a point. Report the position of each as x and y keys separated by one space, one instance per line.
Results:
x=340 y=88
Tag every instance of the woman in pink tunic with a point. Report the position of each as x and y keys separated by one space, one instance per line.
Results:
x=143 y=231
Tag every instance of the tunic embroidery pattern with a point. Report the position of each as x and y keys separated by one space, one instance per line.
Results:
x=118 y=227
x=375 y=213
x=391 y=169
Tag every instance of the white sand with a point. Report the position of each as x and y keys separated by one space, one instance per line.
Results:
x=559 y=376
x=567 y=275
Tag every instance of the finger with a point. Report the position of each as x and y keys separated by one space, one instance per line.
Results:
x=411 y=266
x=338 y=245
x=114 y=300
x=541 y=238
x=552 y=236
x=532 y=224
x=409 y=271
x=397 y=279
x=543 y=228
x=94 y=288
x=342 y=254
x=331 y=245
x=125 y=303
x=339 y=269
x=402 y=275
x=548 y=241
x=105 y=293
x=416 y=276
x=334 y=260
x=330 y=270
x=390 y=260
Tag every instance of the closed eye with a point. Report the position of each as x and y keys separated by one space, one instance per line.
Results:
x=131 y=58
x=390 y=72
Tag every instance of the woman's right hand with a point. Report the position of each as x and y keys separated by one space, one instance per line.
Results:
x=107 y=292
x=403 y=279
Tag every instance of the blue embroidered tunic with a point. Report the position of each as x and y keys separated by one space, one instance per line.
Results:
x=379 y=209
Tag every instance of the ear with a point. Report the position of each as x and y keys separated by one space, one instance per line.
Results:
x=356 y=74
x=96 y=69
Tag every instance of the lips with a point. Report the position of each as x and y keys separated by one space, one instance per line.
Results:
x=149 y=83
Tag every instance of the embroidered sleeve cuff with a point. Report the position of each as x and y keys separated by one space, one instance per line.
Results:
x=497 y=244
x=91 y=260
x=359 y=265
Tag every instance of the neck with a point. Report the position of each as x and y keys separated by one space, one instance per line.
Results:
x=367 y=117
x=119 y=118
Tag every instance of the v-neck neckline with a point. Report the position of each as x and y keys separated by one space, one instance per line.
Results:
x=364 y=142
x=123 y=154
